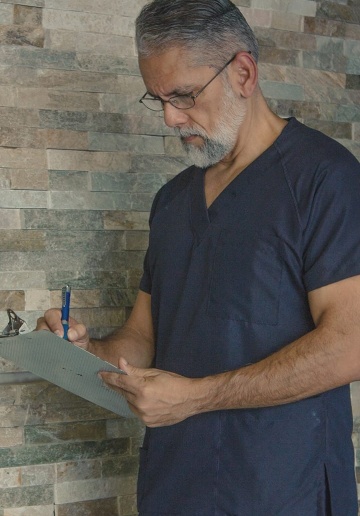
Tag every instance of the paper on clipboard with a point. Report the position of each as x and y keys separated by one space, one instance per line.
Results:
x=68 y=366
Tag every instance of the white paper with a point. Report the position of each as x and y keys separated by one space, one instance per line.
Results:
x=66 y=365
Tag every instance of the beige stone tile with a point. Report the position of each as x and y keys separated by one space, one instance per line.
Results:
x=82 y=160
x=10 y=437
x=37 y=300
x=38 y=474
x=10 y=477
x=68 y=492
x=35 y=510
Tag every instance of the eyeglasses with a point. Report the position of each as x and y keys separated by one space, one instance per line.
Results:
x=178 y=101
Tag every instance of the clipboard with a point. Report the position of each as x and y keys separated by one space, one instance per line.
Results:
x=60 y=362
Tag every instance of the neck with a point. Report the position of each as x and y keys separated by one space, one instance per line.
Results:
x=260 y=129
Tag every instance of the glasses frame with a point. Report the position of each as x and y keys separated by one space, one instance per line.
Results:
x=192 y=97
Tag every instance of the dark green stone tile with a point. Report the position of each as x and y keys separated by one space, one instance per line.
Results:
x=81 y=431
x=69 y=451
x=26 y=496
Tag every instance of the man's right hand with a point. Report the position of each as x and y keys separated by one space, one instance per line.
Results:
x=77 y=333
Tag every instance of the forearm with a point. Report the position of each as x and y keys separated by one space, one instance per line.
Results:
x=125 y=342
x=319 y=361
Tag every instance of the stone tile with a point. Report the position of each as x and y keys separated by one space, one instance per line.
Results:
x=108 y=63
x=128 y=505
x=121 y=220
x=80 y=470
x=29 y=179
x=35 y=510
x=124 y=428
x=79 y=298
x=112 y=182
x=285 y=39
x=91 y=161
x=37 y=57
x=94 y=489
x=78 y=81
x=22 y=240
x=324 y=27
x=7 y=96
x=59 y=139
x=46 y=99
x=38 y=475
x=53 y=453
x=105 y=44
x=257 y=17
x=107 y=241
x=37 y=300
x=10 y=437
x=21 y=35
x=300 y=7
x=287 y=21
x=120 y=467
x=85 y=279
x=280 y=56
x=14 y=299
x=23 y=198
x=88 y=22
x=164 y=165
x=103 y=507
x=129 y=8
x=108 y=316
x=6 y=14
x=336 y=11
x=55 y=219
x=65 y=180
x=26 y=496
x=90 y=200
x=23 y=158
x=279 y=90
x=116 y=297
x=22 y=280
x=335 y=130
x=126 y=143
x=136 y=240
x=353 y=82
x=27 y=15
x=10 y=477
x=16 y=117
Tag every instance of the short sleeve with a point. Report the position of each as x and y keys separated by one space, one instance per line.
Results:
x=332 y=234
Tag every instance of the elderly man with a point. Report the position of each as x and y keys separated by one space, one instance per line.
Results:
x=246 y=330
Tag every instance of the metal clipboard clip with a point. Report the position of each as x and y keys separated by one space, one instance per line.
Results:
x=15 y=326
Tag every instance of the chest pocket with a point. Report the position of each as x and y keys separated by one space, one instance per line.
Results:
x=246 y=278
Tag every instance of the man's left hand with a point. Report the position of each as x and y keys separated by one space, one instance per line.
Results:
x=158 y=398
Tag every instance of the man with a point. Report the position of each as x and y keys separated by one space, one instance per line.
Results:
x=249 y=304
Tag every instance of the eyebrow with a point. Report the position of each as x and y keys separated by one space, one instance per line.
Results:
x=181 y=90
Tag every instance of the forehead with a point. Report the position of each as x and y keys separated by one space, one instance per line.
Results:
x=169 y=72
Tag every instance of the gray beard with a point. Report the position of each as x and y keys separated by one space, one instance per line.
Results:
x=211 y=151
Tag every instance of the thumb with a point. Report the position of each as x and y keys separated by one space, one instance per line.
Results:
x=128 y=368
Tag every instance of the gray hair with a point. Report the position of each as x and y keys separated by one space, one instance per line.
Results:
x=211 y=30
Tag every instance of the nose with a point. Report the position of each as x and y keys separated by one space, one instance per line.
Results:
x=174 y=117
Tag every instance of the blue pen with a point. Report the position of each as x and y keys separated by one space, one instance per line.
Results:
x=65 y=309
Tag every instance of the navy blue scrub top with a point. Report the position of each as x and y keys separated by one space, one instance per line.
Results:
x=229 y=287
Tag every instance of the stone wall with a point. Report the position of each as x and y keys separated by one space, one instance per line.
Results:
x=80 y=161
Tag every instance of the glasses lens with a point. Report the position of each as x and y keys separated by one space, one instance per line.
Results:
x=153 y=104
x=182 y=102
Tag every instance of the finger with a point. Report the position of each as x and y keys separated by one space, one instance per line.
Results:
x=129 y=369
x=77 y=334
x=51 y=321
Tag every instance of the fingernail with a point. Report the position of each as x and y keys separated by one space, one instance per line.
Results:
x=58 y=333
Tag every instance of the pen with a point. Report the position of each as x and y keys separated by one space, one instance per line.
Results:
x=65 y=309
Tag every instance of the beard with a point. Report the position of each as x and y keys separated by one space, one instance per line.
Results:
x=222 y=141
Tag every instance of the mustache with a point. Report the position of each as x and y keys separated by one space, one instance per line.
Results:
x=186 y=132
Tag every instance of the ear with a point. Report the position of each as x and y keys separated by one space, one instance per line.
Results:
x=245 y=74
